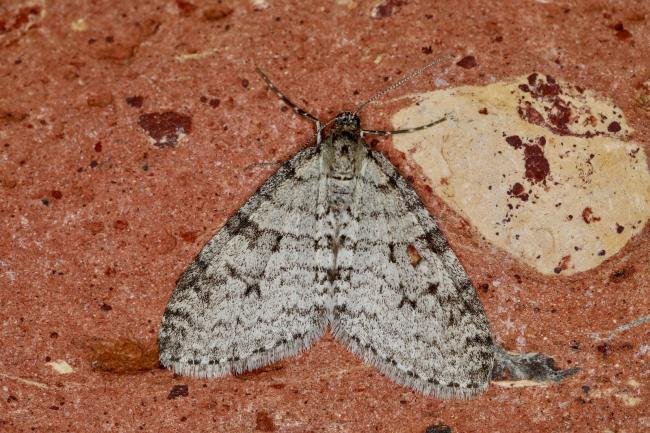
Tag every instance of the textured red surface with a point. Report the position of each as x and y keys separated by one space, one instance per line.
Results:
x=98 y=221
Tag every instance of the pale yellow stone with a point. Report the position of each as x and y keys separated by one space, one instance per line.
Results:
x=629 y=400
x=350 y=4
x=61 y=366
x=182 y=58
x=260 y=4
x=519 y=383
x=24 y=381
x=80 y=25
x=602 y=393
x=471 y=166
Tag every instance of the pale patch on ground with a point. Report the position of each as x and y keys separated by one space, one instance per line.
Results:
x=351 y=4
x=79 y=25
x=627 y=397
x=23 y=381
x=61 y=366
x=519 y=383
x=260 y=4
x=182 y=58
x=543 y=169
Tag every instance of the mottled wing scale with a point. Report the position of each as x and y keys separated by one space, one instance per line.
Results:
x=256 y=292
x=403 y=301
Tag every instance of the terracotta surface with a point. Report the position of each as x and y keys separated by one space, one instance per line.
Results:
x=129 y=133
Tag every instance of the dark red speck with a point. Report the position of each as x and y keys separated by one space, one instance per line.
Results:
x=528 y=113
x=621 y=32
x=621 y=274
x=23 y=14
x=560 y=116
x=588 y=216
x=134 y=101
x=98 y=146
x=563 y=265
x=514 y=141
x=165 y=127
x=189 y=236
x=467 y=62
x=517 y=190
x=537 y=166
x=614 y=127
x=186 y=8
x=387 y=8
x=264 y=422
x=121 y=225
x=541 y=86
x=178 y=391
x=218 y=13
x=549 y=89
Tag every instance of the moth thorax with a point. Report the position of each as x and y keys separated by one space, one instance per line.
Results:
x=346 y=155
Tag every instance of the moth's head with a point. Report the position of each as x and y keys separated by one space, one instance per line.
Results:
x=347 y=121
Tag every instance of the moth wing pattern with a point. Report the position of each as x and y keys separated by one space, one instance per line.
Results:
x=403 y=302
x=252 y=296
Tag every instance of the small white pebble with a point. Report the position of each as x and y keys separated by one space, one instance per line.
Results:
x=61 y=367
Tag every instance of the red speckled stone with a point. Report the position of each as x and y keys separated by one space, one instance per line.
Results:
x=98 y=222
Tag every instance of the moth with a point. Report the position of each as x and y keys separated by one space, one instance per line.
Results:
x=335 y=239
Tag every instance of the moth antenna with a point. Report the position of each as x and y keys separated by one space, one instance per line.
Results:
x=403 y=81
x=407 y=130
x=295 y=107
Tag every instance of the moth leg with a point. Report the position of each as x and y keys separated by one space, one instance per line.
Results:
x=319 y=132
x=404 y=131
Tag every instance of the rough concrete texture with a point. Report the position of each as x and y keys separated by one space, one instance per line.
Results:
x=130 y=131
